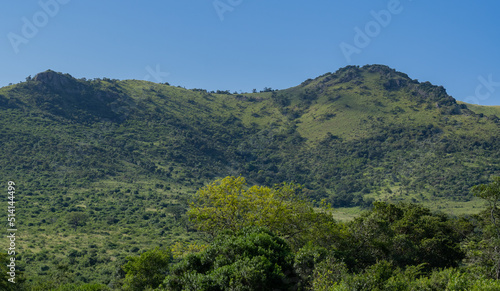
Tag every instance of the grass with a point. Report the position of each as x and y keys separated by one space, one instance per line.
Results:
x=346 y=214
x=452 y=208
x=486 y=110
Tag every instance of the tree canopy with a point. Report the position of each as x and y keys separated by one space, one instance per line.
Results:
x=229 y=204
x=483 y=248
x=146 y=271
x=250 y=259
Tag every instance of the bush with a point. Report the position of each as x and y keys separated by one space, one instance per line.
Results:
x=251 y=259
x=146 y=271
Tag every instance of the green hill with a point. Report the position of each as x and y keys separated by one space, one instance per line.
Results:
x=127 y=154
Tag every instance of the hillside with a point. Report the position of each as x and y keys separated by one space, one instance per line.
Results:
x=371 y=125
x=127 y=154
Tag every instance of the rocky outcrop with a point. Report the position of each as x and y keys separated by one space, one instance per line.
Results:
x=54 y=79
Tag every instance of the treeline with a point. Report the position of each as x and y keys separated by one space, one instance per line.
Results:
x=268 y=239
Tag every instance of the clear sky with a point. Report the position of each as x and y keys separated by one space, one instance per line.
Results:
x=239 y=45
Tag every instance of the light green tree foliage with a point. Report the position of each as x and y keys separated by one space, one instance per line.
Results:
x=483 y=249
x=146 y=271
x=228 y=204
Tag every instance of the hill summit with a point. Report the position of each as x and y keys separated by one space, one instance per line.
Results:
x=53 y=79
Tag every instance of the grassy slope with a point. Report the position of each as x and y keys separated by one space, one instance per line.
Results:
x=486 y=110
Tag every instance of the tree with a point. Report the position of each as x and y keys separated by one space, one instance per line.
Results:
x=306 y=260
x=406 y=234
x=228 y=204
x=76 y=219
x=146 y=271
x=490 y=193
x=250 y=259
x=483 y=249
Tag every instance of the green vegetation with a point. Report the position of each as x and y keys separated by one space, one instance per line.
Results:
x=384 y=276
x=489 y=111
x=105 y=169
x=482 y=249
x=391 y=247
x=250 y=259
x=226 y=204
x=146 y=271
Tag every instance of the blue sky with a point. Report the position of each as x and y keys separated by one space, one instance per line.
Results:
x=240 y=45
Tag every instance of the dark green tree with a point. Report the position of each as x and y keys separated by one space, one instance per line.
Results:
x=76 y=219
x=483 y=248
x=405 y=234
x=306 y=261
x=147 y=270
x=250 y=259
